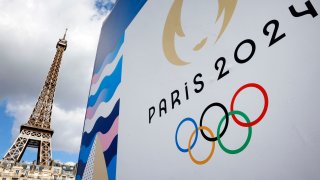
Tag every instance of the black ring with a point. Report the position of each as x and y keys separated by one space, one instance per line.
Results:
x=225 y=127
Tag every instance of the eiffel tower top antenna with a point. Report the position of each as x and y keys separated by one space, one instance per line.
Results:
x=37 y=132
x=64 y=36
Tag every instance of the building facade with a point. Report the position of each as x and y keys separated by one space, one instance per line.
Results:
x=30 y=171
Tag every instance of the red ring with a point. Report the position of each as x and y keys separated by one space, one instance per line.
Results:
x=264 y=111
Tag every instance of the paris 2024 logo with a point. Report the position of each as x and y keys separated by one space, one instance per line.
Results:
x=173 y=28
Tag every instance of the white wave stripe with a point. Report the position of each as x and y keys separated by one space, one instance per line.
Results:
x=104 y=109
x=108 y=69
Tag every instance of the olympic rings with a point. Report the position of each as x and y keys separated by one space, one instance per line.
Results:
x=226 y=125
x=195 y=139
x=212 y=150
x=232 y=113
x=236 y=151
x=266 y=103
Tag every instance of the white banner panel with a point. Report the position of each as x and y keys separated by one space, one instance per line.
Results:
x=220 y=89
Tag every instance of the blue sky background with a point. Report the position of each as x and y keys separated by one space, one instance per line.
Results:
x=5 y=128
x=29 y=31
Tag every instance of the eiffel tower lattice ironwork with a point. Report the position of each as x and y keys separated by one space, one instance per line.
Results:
x=37 y=133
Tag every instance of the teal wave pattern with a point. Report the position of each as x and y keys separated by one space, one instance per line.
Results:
x=107 y=87
x=110 y=42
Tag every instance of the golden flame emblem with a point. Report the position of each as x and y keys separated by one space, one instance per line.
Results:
x=173 y=27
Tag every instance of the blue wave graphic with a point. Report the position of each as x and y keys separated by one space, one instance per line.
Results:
x=85 y=150
x=110 y=159
x=78 y=177
x=111 y=151
x=108 y=155
x=83 y=157
x=80 y=170
x=102 y=125
x=111 y=56
x=112 y=32
x=108 y=86
x=112 y=168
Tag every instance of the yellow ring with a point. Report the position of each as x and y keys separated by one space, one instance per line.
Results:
x=212 y=150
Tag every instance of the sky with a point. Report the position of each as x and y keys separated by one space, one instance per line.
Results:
x=29 y=31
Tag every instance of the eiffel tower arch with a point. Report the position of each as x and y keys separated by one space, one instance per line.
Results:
x=37 y=132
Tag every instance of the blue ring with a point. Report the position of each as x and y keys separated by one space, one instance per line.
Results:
x=195 y=139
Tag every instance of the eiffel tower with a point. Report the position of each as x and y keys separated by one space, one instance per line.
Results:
x=37 y=133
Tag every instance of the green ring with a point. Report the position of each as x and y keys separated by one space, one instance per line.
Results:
x=248 y=137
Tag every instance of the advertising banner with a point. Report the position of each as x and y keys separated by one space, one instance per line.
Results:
x=210 y=89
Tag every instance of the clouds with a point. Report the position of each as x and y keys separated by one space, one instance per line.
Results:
x=29 y=31
x=68 y=131
x=104 y=6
